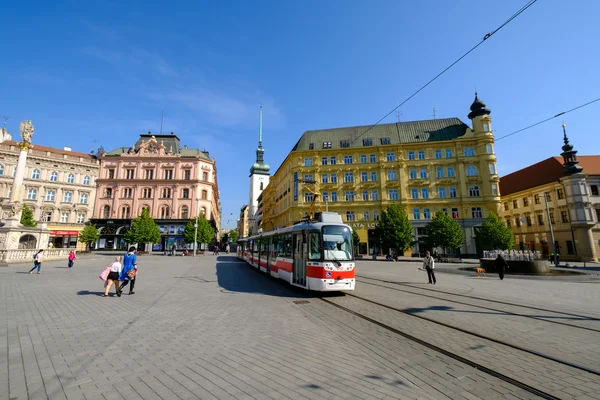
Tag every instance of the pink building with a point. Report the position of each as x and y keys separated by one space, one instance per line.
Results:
x=157 y=173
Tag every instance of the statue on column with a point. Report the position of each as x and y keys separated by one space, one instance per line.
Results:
x=26 y=129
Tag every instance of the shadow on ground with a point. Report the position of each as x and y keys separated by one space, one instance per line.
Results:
x=237 y=276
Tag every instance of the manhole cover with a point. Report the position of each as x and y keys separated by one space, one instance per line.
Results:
x=301 y=301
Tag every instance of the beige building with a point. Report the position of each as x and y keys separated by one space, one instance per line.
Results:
x=567 y=189
x=425 y=166
x=243 y=223
x=59 y=187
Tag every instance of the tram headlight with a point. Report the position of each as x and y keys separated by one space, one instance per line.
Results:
x=349 y=267
x=329 y=267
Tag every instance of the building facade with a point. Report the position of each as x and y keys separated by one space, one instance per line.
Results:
x=59 y=187
x=561 y=191
x=172 y=181
x=425 y=166
x=243 y=227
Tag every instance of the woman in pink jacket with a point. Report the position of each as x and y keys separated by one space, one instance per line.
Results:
x=72 y=258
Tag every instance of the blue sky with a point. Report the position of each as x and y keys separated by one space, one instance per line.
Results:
x=105 y=70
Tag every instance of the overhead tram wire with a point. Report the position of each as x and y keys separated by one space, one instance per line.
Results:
x=486 y=37
x=548 y=119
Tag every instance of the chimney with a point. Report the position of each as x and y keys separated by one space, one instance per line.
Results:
x=66 y=148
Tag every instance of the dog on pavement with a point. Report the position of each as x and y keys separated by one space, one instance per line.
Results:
x=480 y=271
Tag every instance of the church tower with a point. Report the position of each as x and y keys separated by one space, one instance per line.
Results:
x=259 y=176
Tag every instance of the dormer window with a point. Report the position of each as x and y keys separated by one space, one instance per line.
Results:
x=344 y=143
x=386 y=140
x=368 y=142
x=326 y=145
x=311 y=146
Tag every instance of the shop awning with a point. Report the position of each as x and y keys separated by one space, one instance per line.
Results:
x=64 y=233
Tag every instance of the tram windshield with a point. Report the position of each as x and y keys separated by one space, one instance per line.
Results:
x=337 y=243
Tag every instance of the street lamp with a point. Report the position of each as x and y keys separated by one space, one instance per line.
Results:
x=196 y=227
x=551 y=230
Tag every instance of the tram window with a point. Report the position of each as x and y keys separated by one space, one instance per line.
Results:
x=314 y=243
x=275 y=246
x=286 y=250
x=337 y=241
x=264 y=247
x=255 y=246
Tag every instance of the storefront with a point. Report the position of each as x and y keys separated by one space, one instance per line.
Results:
x=60 y=239
x=170 y=235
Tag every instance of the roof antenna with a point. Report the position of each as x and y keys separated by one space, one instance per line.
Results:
x=162 y=116
x=434 y=111
x=398 y=115
x=5 y=119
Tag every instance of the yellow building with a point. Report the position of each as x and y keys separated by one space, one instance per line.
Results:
x=569 y=186
x=426 y=166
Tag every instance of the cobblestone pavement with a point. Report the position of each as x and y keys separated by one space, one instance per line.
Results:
x=206 y=328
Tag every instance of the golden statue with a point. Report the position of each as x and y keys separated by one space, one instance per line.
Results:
x=26 y=129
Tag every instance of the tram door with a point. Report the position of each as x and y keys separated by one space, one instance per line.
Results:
x=299 y=260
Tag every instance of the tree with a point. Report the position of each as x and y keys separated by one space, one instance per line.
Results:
x=143 y=230
x=27 y=217
x=89 y=234
x=355 y=240
x=444 y=232
x=394 y=229
x=206 y=233
x=494 y=235
x=233 y=234
x=225 y=238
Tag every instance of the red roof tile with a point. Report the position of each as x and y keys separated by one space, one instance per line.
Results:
x=546 y=171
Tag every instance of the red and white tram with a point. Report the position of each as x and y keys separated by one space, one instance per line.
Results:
x=315 y=255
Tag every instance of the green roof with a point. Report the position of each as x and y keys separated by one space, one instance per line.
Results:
x=170 y=141
x=395 y=133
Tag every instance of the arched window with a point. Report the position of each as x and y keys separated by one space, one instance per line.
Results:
x=144 y=207
x=53 y=176
x=125 y=213
x=204 y=195
x=35 y=174
x=106 y=212
x=71 y=178
x=86 y=180
x=184 y=212
x=164 y=212
x=1 y=169
x=205 y=176
x=261 y=186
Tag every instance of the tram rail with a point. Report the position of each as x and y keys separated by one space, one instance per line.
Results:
x=453 y=355
x=539 y=318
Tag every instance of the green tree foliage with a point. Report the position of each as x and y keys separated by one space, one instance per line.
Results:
x=395 y=230
x=89 y=234
x=443 y=231
x=27 y=217
x=225 y=238
x=206 y=232
x=188 y=232
x=355 y=240
x=494 y=235
x=233 y=234
x=143 y=230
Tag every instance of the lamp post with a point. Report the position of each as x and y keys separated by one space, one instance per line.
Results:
x=196 y=227
x=551 y=230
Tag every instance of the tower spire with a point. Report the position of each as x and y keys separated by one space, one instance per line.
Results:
x=569 y=155
x=260 y=129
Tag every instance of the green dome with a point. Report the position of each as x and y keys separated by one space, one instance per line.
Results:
x=258 y=168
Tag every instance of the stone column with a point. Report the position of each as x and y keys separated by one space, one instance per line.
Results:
x=17 y=192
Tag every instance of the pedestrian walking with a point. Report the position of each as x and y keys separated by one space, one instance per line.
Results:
x=501 y=265
x=37 y=261
x=227 y=248
x=72 y=258
x=130 y=270
x=113 y=277
x=173 y=249
x=429 y=265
